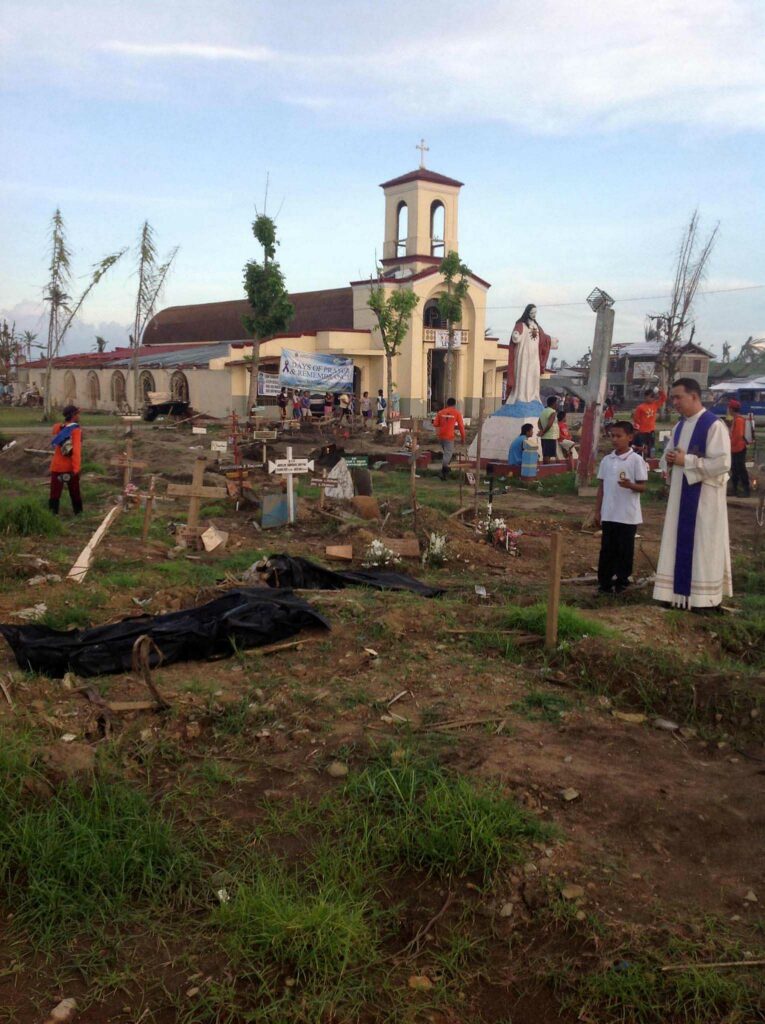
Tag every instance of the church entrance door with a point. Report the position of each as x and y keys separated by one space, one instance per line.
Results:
x=436 y=380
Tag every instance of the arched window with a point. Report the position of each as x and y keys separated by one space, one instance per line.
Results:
x=430 y=315
x=145 y=385
x=94 y=389
x=437 y=224
x=179 y=387
x=70 y=388
x=119 y=394
x=402 y=228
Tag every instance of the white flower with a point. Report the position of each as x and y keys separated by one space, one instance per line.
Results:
x=378 y=555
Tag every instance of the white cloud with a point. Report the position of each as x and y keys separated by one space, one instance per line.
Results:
x=548 y=66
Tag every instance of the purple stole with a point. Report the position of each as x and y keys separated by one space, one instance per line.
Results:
x=689 y=505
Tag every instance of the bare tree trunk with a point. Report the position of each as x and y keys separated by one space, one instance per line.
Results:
x=252 y=392
x=449 y=361
x=389 y=389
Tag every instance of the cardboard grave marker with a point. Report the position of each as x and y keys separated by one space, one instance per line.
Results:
x=290 y=467
x=264 y=436
x=274 y=511
x=195 y=491
x=127 y=463
x=341 y=552
x=199 y=430
x=404 y=547
x=219 y=446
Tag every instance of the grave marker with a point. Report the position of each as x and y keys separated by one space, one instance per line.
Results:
x=289 y=467
x=127 y=463
x=195 y=492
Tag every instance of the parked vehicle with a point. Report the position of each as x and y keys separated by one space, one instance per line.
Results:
x=750 y=393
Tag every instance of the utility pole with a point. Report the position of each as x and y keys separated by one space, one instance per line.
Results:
x=602 y=304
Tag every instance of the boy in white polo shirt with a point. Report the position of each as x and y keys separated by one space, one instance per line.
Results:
x=622 y=475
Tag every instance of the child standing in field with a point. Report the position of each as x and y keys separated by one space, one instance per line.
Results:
x=622 y=475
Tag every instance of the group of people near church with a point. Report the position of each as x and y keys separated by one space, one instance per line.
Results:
x=300 y=405
x=694 y=566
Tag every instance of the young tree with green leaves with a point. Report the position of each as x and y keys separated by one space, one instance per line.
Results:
x=10 y=348
x=394 y=315
x=151 y=280
x=455 y=274
x=268 y=297
x=63 y=308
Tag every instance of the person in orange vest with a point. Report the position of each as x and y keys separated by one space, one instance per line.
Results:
x=446 y=421
x=644 y=420
x=66 y=462
x=738 y=443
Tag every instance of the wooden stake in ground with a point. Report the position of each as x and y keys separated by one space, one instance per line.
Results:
x=148 y=511
x=553 y=597
x=413 y=470
x=80 y=568
x=478 y=458
x=195 y=492
x=127 y=463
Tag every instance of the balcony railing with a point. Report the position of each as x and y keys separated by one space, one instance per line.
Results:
x=439 y=337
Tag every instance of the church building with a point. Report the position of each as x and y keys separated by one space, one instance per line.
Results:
x=210 y=346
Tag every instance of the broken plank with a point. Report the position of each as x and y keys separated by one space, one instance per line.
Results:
x=275 y=648
x=342 y=552
x=80 y=568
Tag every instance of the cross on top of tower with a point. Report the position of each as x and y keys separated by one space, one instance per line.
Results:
x=423 y=150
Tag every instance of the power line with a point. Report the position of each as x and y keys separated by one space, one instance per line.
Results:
x=638 y=298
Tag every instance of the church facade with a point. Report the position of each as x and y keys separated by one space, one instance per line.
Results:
x=211 y=348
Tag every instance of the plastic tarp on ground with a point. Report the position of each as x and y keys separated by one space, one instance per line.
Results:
x=247 y=617
x=300 y=573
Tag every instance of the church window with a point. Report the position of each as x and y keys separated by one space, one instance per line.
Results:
x=402 y=228
x=94 y=389
x=430 y=315
x=119 y=392
x=70 y=388
x=437 y=222
x=145 y=385
x=179 y=387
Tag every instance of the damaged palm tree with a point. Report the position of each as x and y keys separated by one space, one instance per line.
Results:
x=63 y=307
x=151 y=280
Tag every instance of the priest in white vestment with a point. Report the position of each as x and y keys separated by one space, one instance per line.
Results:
x=694 y=560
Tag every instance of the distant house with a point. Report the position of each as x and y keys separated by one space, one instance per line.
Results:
x=632 y=367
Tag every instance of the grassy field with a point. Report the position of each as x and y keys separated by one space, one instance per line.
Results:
x=13 y=418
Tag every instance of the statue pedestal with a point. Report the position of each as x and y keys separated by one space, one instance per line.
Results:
x=502 y=428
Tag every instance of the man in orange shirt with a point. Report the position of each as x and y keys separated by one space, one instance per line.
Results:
x=738 y=471
x=644 y=421
x=446 y=421
x=66 y=462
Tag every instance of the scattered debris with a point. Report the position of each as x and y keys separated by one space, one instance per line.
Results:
x=665 y=724
x=572 y=892
x=80 y=568
x=62 y=1013
x=32 y=614
x=420 y=983
x=214 y=539
x=570 y=794
x=342 y=552
x=630 y=716
x=336 y=770
x=35 y=581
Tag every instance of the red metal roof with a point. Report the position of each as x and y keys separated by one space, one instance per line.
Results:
x=423 y=174
x=93 y=360
x=326 y=310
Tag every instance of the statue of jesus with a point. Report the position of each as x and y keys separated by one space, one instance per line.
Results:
x=527 y=359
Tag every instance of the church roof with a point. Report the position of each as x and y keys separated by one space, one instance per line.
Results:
x=326 y=310
x=423 y=174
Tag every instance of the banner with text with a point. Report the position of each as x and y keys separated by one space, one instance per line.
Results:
x=315 y=371
x=268 y=384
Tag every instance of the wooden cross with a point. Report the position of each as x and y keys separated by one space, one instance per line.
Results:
x=127 y=463
x=195 y=491
x=423 y=150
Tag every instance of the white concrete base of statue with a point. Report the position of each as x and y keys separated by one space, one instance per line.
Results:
x=502 y=428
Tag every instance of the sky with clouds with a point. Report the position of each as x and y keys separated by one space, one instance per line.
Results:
x=586 y=134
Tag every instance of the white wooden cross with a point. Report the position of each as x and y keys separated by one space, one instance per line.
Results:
x=423 y=150
x=289 y=467
x=195 y=492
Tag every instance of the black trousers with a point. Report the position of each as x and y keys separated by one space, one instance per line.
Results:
x=617 y=552
x=738 y=472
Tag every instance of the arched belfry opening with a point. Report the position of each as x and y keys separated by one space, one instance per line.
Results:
x=437 y=228
x=402 y=228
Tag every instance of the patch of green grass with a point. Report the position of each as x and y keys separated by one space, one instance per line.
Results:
x=93 y=467
x=572 y=625
x=311 y=927
x=494 y=642
x=233 y=719
x=541 y=706
x=80 y=611
x=85 y=855
x=639 y=993
x=25 y=517
x=424 y=817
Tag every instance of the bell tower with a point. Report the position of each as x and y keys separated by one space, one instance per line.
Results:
x=420 y=221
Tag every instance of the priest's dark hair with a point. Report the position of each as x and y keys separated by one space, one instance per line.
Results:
x=525 y=316
x=690 y=385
